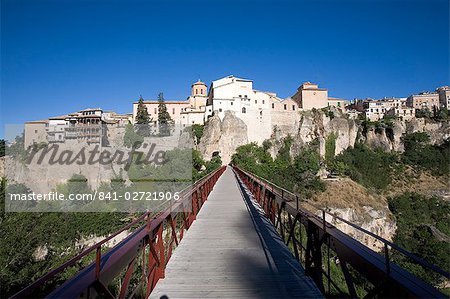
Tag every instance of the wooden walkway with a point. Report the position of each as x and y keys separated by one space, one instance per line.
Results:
x=232 y=251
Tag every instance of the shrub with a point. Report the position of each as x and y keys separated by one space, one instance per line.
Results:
x=371 y=168
x=418 y=153
x=419 y=220
x=197 y=130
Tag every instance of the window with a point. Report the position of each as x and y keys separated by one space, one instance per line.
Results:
x=285 y=107
x=155 y=110
x=264 y=101
x=260 y=113
x=293 y=107
x=273 y=105
x=220 y=109
x=231 y=103
x=173 y=110
x=196 y=91
x=244 y=110
x=245 y=96
x=35 y=131
x=256 y=101
x=201 y=91
x=240 y=96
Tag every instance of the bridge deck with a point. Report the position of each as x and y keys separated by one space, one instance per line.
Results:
x=232 y=251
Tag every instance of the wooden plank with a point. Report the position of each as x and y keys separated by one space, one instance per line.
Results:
x=232 y=251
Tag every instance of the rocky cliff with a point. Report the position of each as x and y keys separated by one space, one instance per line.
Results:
x=355 y=203
x=342 y=197
x=225 y=136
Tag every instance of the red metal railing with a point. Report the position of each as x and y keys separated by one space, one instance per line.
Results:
x=147 y=245
x=298 y=225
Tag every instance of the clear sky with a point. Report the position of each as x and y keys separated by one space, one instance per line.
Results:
x=62 y=56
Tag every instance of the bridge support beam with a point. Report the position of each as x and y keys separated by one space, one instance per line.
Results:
x=313 y=256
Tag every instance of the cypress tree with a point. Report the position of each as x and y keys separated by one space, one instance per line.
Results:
x=165 y=122
x=142 y=119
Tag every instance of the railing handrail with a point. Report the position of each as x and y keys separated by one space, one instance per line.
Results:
x=52 y=273
x=408 y=254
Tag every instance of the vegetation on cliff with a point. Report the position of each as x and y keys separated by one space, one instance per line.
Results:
x=371 y=168
x=423 y=229
x=298 y=174
x=375 y=168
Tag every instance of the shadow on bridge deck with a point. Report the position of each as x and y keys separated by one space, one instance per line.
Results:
x=232 y=251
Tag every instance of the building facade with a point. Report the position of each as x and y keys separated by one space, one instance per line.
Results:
x=424 y=100
x=259 y=110
x=183 y=113
x=88 y=125
x=309 y=96
x=444 y=96
x=337 y=103
x=396 y=107
x=35 y=132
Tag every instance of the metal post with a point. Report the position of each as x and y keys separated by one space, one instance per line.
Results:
x=386 y=257
x=324 y=221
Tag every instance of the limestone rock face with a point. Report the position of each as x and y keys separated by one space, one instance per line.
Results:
x=438 y=131
x=186 y=140
x=355 y=203
x=345 y=131
x=2 y=166
x=378 y=140
x=314 y=125
x=223 y=136
x=374 y=220
x=398 y=130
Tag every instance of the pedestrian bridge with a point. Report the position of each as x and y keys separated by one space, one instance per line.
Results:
x=232 y=250
x=237 y=236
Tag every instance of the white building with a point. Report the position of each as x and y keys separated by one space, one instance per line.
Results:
x=258 y=109
x=376 y=110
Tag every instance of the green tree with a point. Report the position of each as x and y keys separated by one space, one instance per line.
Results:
x=423 y=229
x=130 y=137
x=423 y=113
x=197 y=131
x=419 y=153
x=2 y=147
x=371 y=168
x=330 y=147
x=298 y=175
x=164 y=120
x=142 y=119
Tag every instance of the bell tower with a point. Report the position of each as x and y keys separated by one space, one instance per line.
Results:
x=199 y=89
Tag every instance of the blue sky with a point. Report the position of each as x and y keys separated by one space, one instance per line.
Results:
x=63 y=56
